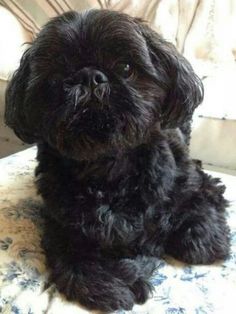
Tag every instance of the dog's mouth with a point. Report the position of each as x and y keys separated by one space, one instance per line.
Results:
x=87 y=134
x=93 y=129
x=94 y=122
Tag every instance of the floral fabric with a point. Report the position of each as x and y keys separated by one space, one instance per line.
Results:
x=179 y=288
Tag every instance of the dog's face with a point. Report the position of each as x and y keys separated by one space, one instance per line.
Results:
x=97 y=83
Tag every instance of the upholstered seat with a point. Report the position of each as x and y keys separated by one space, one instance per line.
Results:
x=179 y=288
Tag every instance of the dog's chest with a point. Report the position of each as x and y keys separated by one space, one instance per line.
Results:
x=128 y=186
x=124 y=195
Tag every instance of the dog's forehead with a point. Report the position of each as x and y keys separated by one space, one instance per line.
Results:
x=112 y=34
x=107 y=30
x=108 y=24
x=93 y=34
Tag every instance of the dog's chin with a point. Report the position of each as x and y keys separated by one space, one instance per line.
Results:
x=83 y=139
x=84 y=148
x=94 y=130
x=81 y=142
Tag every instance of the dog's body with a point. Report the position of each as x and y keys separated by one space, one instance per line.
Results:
x=119 y=187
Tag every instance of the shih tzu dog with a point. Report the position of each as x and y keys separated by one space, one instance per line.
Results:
x=109 y=104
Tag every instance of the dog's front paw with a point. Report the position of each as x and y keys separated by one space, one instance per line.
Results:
x=136 y=274
x=107 y=286
x=200 y=242
x=93 y=288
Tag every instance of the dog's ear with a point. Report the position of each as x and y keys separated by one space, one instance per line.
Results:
x=15 y=99
x=184 y=89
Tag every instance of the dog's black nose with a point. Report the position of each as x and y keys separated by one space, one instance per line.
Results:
x=91 y=78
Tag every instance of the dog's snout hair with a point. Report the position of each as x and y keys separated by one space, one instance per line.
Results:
x=80 y=95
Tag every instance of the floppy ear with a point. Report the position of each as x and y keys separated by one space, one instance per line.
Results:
x=15 y=110
x=184 y=89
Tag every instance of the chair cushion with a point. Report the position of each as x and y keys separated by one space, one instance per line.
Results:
x=179 y=288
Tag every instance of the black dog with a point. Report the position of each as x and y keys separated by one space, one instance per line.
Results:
x=109 y=103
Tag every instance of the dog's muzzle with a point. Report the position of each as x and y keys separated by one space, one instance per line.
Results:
x=88 y=84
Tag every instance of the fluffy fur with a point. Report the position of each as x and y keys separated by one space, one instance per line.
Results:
x=109 y=103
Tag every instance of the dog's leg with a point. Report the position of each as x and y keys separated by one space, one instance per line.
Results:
x=201 y=235
x=83 y=275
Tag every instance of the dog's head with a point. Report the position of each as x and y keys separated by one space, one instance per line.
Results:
x=98 y=82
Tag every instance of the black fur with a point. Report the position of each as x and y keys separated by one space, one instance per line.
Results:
x=119 y=186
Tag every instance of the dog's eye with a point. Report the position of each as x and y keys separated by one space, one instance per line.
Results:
x=124 y=69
